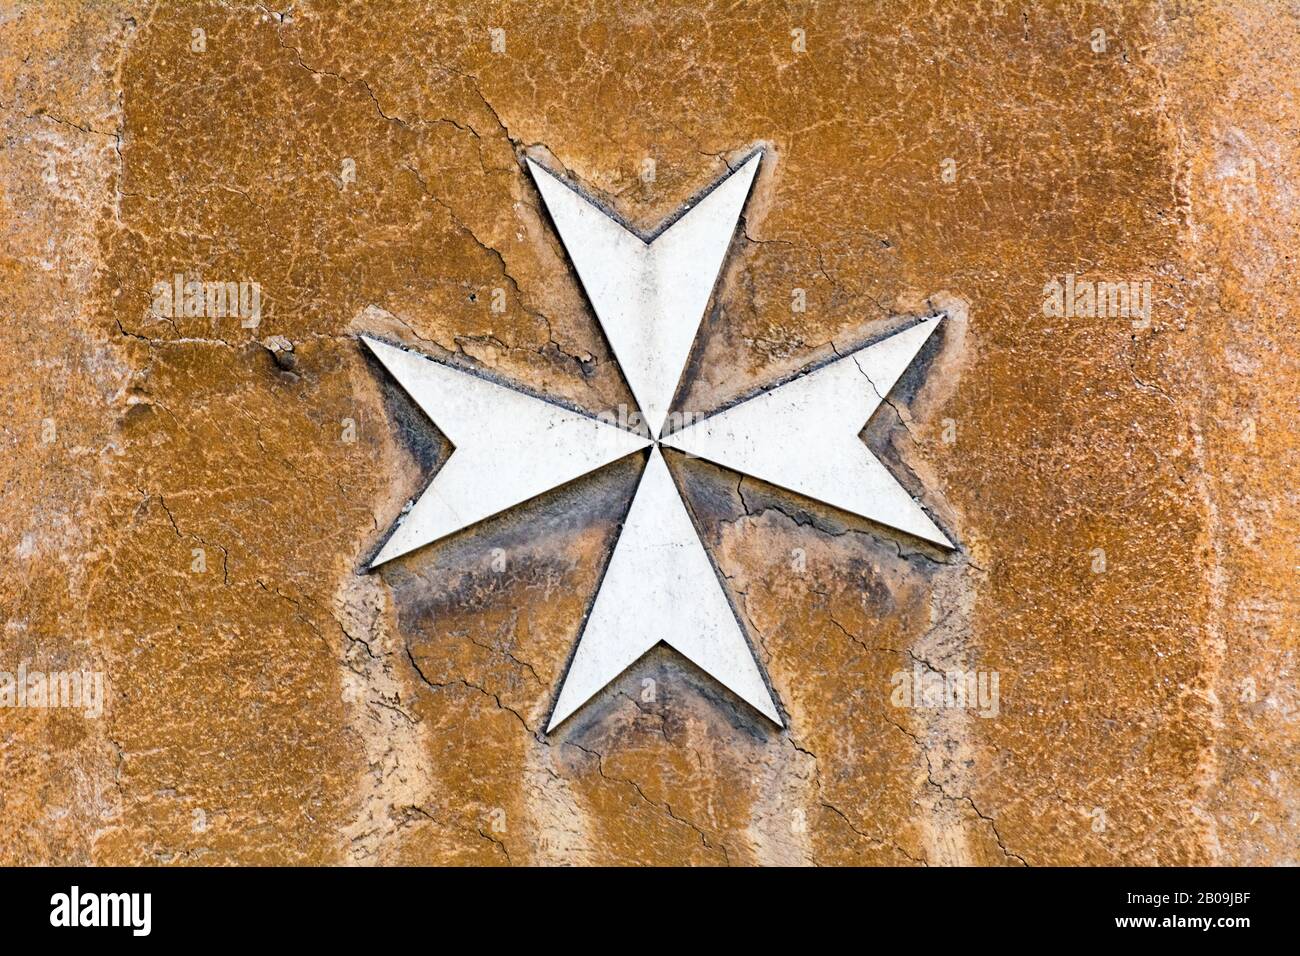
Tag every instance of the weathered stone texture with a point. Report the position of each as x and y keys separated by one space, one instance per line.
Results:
x=362 y=163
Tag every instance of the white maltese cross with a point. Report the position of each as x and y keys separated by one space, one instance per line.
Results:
x=660 y=585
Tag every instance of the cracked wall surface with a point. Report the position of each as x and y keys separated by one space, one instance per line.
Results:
x=190 y=502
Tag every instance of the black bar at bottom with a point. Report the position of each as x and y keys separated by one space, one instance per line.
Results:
x=600 y=908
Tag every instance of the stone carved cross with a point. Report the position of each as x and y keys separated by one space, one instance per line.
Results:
x=649 y=297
